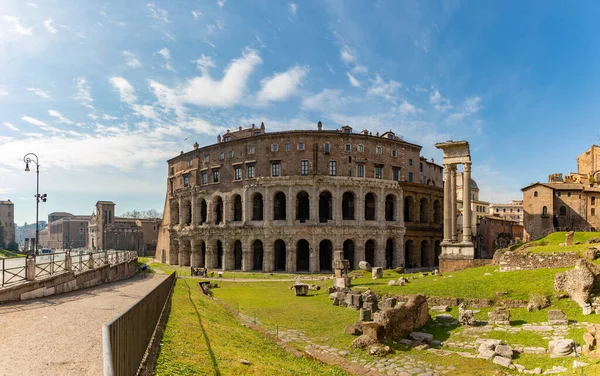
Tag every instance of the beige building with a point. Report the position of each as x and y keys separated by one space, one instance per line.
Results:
x=286 y=200
x=7 y=217
x=564 y=204
x=66 y=231
x=479 y=208
x=512 y=211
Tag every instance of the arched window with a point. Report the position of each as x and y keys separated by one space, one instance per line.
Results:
x=325 y=209
x=257 y=207
x=237 y=208
x=563 y=210
x=218 y=209
x=348 y=206
x=302 y=206
x=370 y=207
x=423 y=211
x=203 y=211
x=408 y=209
x=279 y=207
x=437 y=212
x=545 y=210
x=535 y=194
x=175 y=214
x=390 y=206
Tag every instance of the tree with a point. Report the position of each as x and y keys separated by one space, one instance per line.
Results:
x=13 y=247
x=152 y=213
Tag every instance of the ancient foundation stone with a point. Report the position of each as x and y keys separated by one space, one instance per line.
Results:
x=365 y=314
x=388 y=303
x=363 y=342
x=557 y=317
x=569 y=238
x=377 y=272
x=499 y=316
x=404 y=318
x=578 y=282
x=561 y=347
x=466 y=317
x=443 y=308
x=373 y=330
x=363 y=265
x=445 y=318
x=300 y=289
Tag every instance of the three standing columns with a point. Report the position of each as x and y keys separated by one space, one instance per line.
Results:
x=450 y=204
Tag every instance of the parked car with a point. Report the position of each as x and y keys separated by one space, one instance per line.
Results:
x=45 y=251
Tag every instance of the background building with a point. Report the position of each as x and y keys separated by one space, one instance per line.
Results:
x=564 y=204
x=7 y=217
x=287 y=200
x=513 y=210
x=496 y=233
x=478 y=211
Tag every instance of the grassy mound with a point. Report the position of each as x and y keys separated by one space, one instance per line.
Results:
x=203 y=338
x=9 y=254
x=551 y=243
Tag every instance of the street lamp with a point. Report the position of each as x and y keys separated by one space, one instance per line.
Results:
x=28 y=159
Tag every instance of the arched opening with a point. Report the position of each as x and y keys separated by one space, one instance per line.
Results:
x=437 y=212
x=389 y=253
x=187 y=213
x=202 y=254
x=369 y=207
x=185 y=253
x=203 y=211
x=390 y=208
x=411 y=254
x=237 y=255
x=302 y=256
x=237 y=208
x=408 y=209
x=218 y=205
x=437 y=251
x=219 y=255
x=424 y=253
x=196 y=260
x=348 y=206
x=257 y=255
x=325 y=255
x=535 y=194
x=302 y=206
x=545 y=210
x=279 y=207
x=562 y=210
x=175 y=213
x=349 y=252
x=423 y=211
x=257 y=207
x=325 y=209
x=174 y=253
x=370 y=252
x=280 y=255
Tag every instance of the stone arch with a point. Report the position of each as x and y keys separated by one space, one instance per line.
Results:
x=424 y=253
x=302 y=255
x=348 y=206
x=218 y=209
x=237 y=255
x=257 y=255
x=411 y=255
x=349 y=252
x=280 y=255
x=437 y=251
x=187 y=213
x=279 y=206
x=370 y=252
x=423 y=210
x=389 y=253
x=174 y=253
x=302 y=206
x=220 y=254
x=545 y=210
x=325 y=255
x=175 y=213
x=437 y=212
x=408 y=209
x=203 y=210
x=390 y=207
x=236 y=206
x=257 y=207
x=325 y=207
x=370 y=206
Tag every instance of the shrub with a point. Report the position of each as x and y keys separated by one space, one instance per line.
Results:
x=13 y=247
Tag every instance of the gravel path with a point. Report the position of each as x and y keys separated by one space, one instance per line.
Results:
x=62 y=335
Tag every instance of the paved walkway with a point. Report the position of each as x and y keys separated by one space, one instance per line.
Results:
x=62 y=335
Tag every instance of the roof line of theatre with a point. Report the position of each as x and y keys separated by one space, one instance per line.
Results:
x=307 y=131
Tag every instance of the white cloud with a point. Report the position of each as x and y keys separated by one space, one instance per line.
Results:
x=360 y=69
x=144 y=111
x=17 y=27
x=470 y=106
x=49 y=27
x=293 y=7
x=407 y=108
x=131 y=60
x=196 y=14
x=126 y=91
x=204 y=62
x=158 y=14
x=43 y=125
x=347 y=55
x=384 y=89
x=166 y=54
x=330 y=68
x=440 y=103
x=108 y=117
x=218 y=25
x=83 y=94
x=326 y=101
x=39 y=92
x=281 y=85
x=221 y=3
x=3 y=92
x=93 y=116
x=11 y=126
x=59 y=116
x=353 y=81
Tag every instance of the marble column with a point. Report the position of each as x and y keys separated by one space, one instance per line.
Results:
x=467 y=238
x=447 y=204
x=453 y=203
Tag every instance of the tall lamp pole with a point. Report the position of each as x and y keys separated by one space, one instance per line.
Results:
x=28 y=159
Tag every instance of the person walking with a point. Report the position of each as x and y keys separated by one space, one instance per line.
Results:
x=144 y=268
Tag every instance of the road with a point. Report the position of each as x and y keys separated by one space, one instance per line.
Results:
x=62 y=334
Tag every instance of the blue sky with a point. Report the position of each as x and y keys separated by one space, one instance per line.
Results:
x=106 y=91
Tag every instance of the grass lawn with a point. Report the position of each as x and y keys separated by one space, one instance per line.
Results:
x=9 y=254
x=551 y=243
x=186 y=271
x=203 y=338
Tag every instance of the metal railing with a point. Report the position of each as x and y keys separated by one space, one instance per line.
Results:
x=126 y=338
x=13 y=270
x=47 y=265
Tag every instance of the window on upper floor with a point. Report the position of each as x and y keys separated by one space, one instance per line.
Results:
x=204 y=178
x=300 y=145
x=274 y=147
x=379 y=150
x=535 y=194
x=251 y=171
x=230 y=154
x=327 y=148
x=360 y=148
x=227 y=138
x=251 y=149
x=394 y=153
x=257 y=133
x=206 y=158
x=275 y=169
x=347 y=130
x=379 y=172
x=215 y=176
x=360 y=170
x=332 y=168
x=410 y=162
x=287 y=146
x=410 y=177
x=238 y=173
x=348 y=147
x=421 y=166
x=221 y=155
x=304 y=167
x=593 y=200
x=172 y=170
x=396 y=174
x=191 y=163
x=186 y=180
x=568 y=194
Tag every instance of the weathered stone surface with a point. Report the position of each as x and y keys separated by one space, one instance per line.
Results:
x=421 y=337
x=578 y=282
x=373 y=330
x=387 y=303
x=365 y=314
x=537 y=302
x=487 y=346
x=393 y=282
x=379 y=350
x=504 y=351
x=504 y=362
x=578 y=364
x=445 y=318
x=300 y=289
x=555 y=369
x=404 y=318
x=587 y=309
x=372 y=306
x=443 y=308
x=466 y=317
x=589 y=339
x=569 y=237
x=314 y=287
x=363 y=265
x=557 y=317
x=500 y=315
x=353 y=329
x=341 y=282
x=353 y=300
x=363 y=342
x=561 y=347
x=592 y=241
x=377 y=272
x=369 y=296
x=486 y=354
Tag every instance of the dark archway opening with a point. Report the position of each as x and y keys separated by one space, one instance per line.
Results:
x=348 y=206
x=280 y=255
x=257 y=255
x=203 y=211
x=424 y=211
x=203 y=255
x=237 y=255
x=219 y=255
x=279 y=209
x=302 y=206
x=437 y=253
x=187 y=213
x=257 y=207
x=325 y=208
x=370 y=252
x=389 y=253
x=325 y=255
x=424 y=253
x=218 y=210
x=437 y=212
x=302 y=256
x=409 y=254
x=349 y=252
x=237 y=208
x=408 y=209
x=369 y=207
x=390 y=208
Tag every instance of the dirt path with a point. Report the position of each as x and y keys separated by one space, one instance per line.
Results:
x=62 y=335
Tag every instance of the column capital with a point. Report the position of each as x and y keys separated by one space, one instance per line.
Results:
x=467 y=166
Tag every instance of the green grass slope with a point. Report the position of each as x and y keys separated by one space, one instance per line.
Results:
x=551 y=243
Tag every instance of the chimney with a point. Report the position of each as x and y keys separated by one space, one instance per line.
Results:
x=196 y=146
x=262 y=126
x=218 y=139
x=253 y=126
x=320 y=125
x=240 y=127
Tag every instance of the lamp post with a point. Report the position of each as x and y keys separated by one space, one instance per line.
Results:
x=28 y=159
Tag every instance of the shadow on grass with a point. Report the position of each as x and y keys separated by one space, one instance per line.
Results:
x=440 y=332
x=517 y=322
x=210 y=351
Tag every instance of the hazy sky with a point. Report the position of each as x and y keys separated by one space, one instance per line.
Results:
x=106 y=91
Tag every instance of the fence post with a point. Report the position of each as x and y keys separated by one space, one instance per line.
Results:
x=68 y=262
x=30 y=269
x=91 y=266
